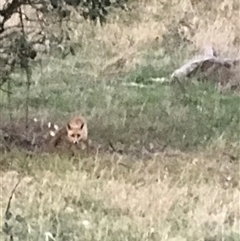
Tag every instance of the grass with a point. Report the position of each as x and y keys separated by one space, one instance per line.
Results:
x=188 y=191
x=159 y=114
x=183 y=197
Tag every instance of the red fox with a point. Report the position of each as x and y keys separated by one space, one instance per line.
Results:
x=74 y=132
x=77 y=130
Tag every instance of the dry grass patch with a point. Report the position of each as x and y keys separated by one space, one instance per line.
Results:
x=184 y=197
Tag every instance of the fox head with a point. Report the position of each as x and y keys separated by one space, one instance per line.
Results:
x=76 y=130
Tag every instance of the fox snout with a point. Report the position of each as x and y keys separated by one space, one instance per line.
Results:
x=75 y=142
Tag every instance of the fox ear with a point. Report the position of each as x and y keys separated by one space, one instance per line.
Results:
x=81 y=126
x=68 y=127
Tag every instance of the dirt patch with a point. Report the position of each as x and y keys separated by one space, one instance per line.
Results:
x=42 y=137
x=30 y=137
x=35 y=137
x=46 y=137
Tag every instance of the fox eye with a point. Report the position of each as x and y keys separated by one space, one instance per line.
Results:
x=73 y=135
x=78 y=135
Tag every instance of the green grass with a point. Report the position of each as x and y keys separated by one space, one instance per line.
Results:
x=160 y=113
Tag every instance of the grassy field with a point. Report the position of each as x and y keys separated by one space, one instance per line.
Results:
x=177 y=178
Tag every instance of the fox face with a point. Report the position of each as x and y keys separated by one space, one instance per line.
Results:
x=76 y=130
